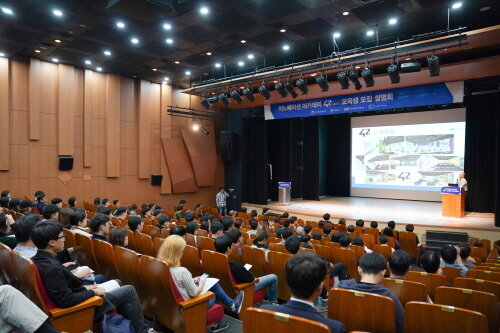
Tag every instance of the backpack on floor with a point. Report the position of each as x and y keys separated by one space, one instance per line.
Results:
x=115 y=323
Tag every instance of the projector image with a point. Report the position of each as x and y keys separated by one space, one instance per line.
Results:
x=410 y=67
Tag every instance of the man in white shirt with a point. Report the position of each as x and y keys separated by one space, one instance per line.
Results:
x=461 y=181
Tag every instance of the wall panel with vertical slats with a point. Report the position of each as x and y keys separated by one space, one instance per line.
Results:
x=35 y=81
x=66 y=110
x=112 y=126
x=4 y=114
x=143 y=128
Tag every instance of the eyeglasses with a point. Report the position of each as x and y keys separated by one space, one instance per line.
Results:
x=63 y=236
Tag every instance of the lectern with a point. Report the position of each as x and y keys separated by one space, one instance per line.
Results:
x=452 y=201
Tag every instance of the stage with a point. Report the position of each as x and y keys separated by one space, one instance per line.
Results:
x=422 y=214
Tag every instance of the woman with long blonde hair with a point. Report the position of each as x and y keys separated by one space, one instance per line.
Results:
x=171 y=253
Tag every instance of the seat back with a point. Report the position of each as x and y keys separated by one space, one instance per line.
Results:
x=431 y=281
x=191 y=260
x=348 y=258
x=474 y=300
x=205 y=243
x=257 y=258
x=277 y=262
x=383 y=250
x=24 y=272
x=105 y=258
x=164 y=233
x=201 y=232
x=373 y=231
x=144 y=244
x=152 y=231
x=265 y=321
x=234 y=255
x=368 y=239
x=84 y=248
x=406 y=291
x=359 y=250
x=277 y=247
x=435 y=318
x=157 y=242
x=478 y=284
x=69 y=241
x=451 y=273
x=391 y=241
x=217 y=265
x=408 y=242
x=323 y=251
x=190 y=239
x=360 y=311
x=480 y=252
x=7 y=275
x=132 y=244
x=358 y=231
x=484 y=275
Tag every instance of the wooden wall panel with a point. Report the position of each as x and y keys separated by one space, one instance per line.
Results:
x=128 y=135
x=88 y=109
x=66 y=110
x=20 y=167
x=48 y=88
x=143 y=128
x=128 y=110
x=165 y=133
x=128 y=162
x=19 y=78
x=35 y=83
x=179 y=166
x=19 y=124
x=201 y=149
x=113 y=126
x=79 y=84
x=48 y=134
x=4 y=114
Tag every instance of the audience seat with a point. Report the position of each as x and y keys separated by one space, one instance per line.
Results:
x=105 y=258
x=152 y=231
x=69 y=241
x=7 y=275
x=169 y=309
x=191 y=260
x=84 y=248
x=234 y=255
x=277 y=262
x=435 y=318
x=450 y=273
x=277 y=247
x=132 y=244
x=349 y=259
x=368 y=239
x=359 y=250
x=478 y=284
x=164 y=232
x=484 y=275
x=474 y=300
x=265 y=321
x=391 y=241
x=205 y=243
x=257 y=258
x=406 y=291
x=480 y=252
x=383 y=250
x=190 y=239
x=408 y=242
x=144 y=244
x=431 y=281
x=486 y=242
x=201 y=232
x=362 y=311
x=324 y=251
x=157 y=242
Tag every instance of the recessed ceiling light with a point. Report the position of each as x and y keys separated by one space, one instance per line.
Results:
x=99 y=69
x=57 y=12
x=345 y=13
x=188 y=73
x=456 y=5
x=286 y=47
x=336 y=34
x=88 y=62
x=120 y=25
x=107 y=53
x=250 y=56
x=37 y=51
x=167 y=26
x=204 y=10
x=370 y=33
x=169 y=40
x=393 y=21
x=134 y=40
x=484 y=9
x=2 y=54
x=218 y=65
x=57 y=40
x=166 y=78
x=55 y=60
x=155 y=69
x=209 y=53
x=7 y=11
x=243 y=41
x=177 y=62
x=241 y=63
x=282 y=30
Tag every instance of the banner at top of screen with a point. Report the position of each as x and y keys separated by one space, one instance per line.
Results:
x=431 y=94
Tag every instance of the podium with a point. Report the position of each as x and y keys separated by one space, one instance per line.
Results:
x=452 y=201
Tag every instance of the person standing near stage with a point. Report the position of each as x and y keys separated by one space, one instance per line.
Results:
x=220 y=201
x=461 y=181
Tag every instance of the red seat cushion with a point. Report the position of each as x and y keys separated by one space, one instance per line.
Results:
x=215 y=314
x=258 y=296
x=43 y=292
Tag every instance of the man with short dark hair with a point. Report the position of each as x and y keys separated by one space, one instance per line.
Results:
x=305 y=273
x=22 y=230
x=399 y=263
x=465 y=255
x=216 y=229
x=51 y=212
x=285 y=233
x=254 y=225
x=227 y=223
x=450 y=257
x=372 y=268
x=121 y=213
x=345 y=241
x=58 y=202
x=104 y=210
x=163 y=221
x=191 y=227
x=99 y=227
x=135 y=224
x=292 y=244
x=105 y=202
x=178 y=230
x=5 y=194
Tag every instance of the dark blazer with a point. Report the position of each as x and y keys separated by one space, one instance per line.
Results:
x=240 y=273
x=308 y=312
x=64 y=288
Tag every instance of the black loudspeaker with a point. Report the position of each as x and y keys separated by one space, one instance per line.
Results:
x=227 y=146
x=65 y=163
x=156 y=180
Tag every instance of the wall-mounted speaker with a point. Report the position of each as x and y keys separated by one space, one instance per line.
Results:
x=65 y=163
x=227 y=146
x=156 y=180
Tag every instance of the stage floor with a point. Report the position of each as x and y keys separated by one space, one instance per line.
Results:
x=419 y=213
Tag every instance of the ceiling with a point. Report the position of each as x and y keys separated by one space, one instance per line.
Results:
x=88 y=27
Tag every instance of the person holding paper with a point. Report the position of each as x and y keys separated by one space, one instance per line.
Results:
x=171 y=253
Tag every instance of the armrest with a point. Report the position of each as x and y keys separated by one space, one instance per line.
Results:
x=242 y=286
x=197 y=300
x=91 y=302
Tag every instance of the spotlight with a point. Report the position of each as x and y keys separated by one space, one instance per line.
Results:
x=367 y=75
x=107 y=53
x=57 y=12
x=283 y=30
x=264 y=91
x=241 y=63
x=37 y=51
x=353 y=76
x=195 y=127
x=250 y=56
x=134 y=40
x=370 y=33
x=204 y=10
x=209 y=53
x=285 y=47
x=7 y=11
x=204 y=130
x=289 y=88
x=243 y=41
x=281 y=89
x=236 y=96
x=392 y=69
x=322 y=82
x=206 y=104
x=344 y=82
x=169 y=40
x=393 y=21
x=223 y=99
x=188 y=73
x=2 y=54
x=433 y=63
x=345 y=13
x=167 y=26
x=248 y=93
x=302 y=85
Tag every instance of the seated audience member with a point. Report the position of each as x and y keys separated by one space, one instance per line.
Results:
x=399 y=263
x=19 y=314
x=308 y=229
x=374 y=224
x=450 y=257
x=388 y=232
x=51 y=212
x=40 y=202
x=372 y=268
x=465 y=255
x=25 y=207
x=382 y=240
x=292 y=244
x=78 y=221
x=171 y=252
x=58 y=202
x=227 y=223
x=66 y=290
x=360 y=223
x=5 y=194
x=351 y=228
x=191 y=228
x=261 y=240
x=116 y=203
x=345 y=242
x=178 y=230
x=305 y=273
x=358 y=241
x=72 y=203
x=306 y=242
x=317 y=236
x=237 y=223
x=342 y=221
x=430 y=262
x=6 y=235
x=477 y=243
x=135 y=224
x=242 y=275
x=118 y=237
x=97 y=201
x=105 y=202
x=146 y=212
x=22 y=230
x=391 y=224
x=327 y=230
x=64 y=217
x=4 y=202
x=265 y=211
x=285 y=233
x=163 y=221
x=285 y=215
x=300 y=231
x=14 y=204
x=337 y=236
x=104 y=210
x=132 y=210
x=216 y=229
x=326 y=218
x=178 y=212
x=121 y=213
x=410 y=228
x=99 y=226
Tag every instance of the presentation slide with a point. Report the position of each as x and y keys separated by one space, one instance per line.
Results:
x=406 y=161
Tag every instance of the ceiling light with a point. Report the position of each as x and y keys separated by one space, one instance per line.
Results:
x=223 y=99
x=57 y=12
x=176 y=62
x=154 y=69
x=55 y=60
x=264 y=91
x=218 y=65
x=2 y=54
x=99 y=69
x=367 y=75
x=204 y=10
x=120 y=25
x=302 y=85
x=289 y=88
x=37 y=51
x=195 y=127
x=169 y=40
x=134 y=40
x=241 y=63
x=249 y=95
x=7 y=11
x=286 y=47
x=280 y=88
x=88 y=62
x=392 y=69
x=433 y=63
x=345 y=13
x=206 y=104
x=57 y=40
x=243 y=41
x=343 y=80
x=250 y=56
x=167 y=26
x=484 y=9
x=393 y=21
x=209 y=53
x=107 y=53
x=188 y=73
x=236 y=96
x=166 y=78
x=336 y=35
x=353 y=76
x=370 y=33
x=282 y=30
x=322 y=82
x=456 y=5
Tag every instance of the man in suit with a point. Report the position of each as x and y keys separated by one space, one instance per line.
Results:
x=304 y=274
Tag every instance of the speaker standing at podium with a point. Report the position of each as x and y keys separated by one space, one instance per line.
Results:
x=461 y=181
